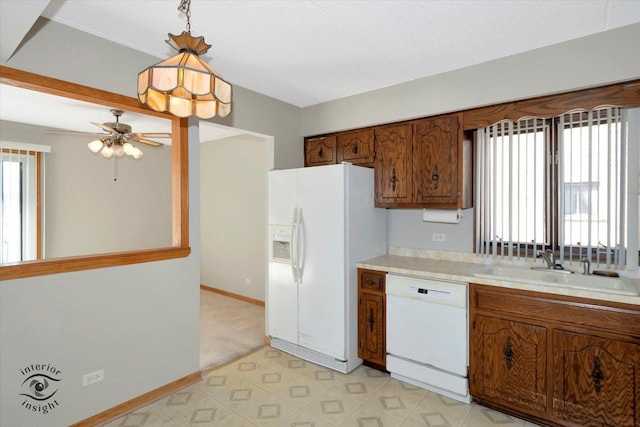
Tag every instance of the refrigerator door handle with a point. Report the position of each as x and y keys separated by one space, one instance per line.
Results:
x=295 y=269
x=300 y=244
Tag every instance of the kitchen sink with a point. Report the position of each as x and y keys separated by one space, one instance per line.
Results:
x=560 y=278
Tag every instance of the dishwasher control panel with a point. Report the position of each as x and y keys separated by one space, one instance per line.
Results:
x=437 y=291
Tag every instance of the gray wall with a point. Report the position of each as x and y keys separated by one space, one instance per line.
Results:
x=140 y=323
x=232 y=203
x=85 y=210
x=607 y=57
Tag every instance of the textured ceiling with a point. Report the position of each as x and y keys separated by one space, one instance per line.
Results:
x=306 y=52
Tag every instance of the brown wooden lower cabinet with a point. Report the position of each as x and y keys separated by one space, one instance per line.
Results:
x=510 y=362
x=596 y=380
x=371 y=318
x=557 y=360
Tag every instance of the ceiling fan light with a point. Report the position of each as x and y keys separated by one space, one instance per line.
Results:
x=117 y=149
x=106 y=152
x=96 y=145
x=137 y=153
x=128 y=148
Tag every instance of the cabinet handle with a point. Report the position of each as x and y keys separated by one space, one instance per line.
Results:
x=370 y=321
x=393 y=179
x=508 y=353
x=355 y=149
x=320 y=152
x=370 y=282
x=597 y=374
x=435 y=178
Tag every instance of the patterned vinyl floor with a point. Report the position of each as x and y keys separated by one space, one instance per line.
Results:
x=272 y=388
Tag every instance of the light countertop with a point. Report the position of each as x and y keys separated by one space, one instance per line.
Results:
x=462 y=267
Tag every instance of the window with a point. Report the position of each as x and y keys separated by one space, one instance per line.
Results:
x=20 y=229
x=553 y=183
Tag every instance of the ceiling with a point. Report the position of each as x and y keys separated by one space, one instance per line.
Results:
x=306 y=52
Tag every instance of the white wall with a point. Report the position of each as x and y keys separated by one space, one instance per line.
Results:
x=596 y=60
x=233 y=205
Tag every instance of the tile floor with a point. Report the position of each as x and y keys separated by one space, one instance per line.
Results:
x=272 y=388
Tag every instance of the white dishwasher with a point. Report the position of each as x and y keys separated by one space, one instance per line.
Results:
x=427 y=334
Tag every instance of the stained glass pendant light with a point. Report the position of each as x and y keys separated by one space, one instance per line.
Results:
x=185 y=85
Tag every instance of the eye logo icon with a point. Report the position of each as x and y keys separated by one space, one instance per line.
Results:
x=40 y=386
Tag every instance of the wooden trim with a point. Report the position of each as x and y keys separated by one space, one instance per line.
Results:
x=206 y=372
x=625 y=94
x=267 y=340
x=140 y=401
x=39 y=83
x=88 y=262
x=180 y=180
x=179 y=172
x=232 y=295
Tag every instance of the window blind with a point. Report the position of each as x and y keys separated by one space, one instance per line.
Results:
x=555 y=184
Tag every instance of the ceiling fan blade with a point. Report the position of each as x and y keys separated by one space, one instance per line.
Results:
x=71 y=132
x=105 y=127
x=136 y=138
x=151 y=135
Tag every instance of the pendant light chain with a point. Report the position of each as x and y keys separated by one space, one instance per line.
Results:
x=185 y=7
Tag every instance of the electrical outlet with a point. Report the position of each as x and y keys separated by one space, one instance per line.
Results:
x=438 y=237
x=92 y=378
x=247 y=281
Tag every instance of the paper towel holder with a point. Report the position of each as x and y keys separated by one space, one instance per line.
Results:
x=448 y=216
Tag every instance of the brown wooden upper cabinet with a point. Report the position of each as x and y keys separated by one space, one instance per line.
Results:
x=424 y=163
x=320 y=151
x=356 y=147
x=393 y=165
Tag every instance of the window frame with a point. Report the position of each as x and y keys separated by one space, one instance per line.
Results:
x=179 y=177
x=553 y=192
x=38 y=196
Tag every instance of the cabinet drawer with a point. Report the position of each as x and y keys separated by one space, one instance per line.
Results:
x=371 y=280
x=571 y=310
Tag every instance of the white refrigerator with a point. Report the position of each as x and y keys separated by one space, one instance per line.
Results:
x=322 y=221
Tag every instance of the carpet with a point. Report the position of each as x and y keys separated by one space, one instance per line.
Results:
x=229 y=329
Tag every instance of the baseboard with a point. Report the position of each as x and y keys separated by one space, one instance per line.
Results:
x=232 y=295
x=139 y=402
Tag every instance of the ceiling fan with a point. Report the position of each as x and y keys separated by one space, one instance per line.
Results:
x=120 y=139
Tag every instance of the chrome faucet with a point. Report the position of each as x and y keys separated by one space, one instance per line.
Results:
x=550 y=258
x=586 y=265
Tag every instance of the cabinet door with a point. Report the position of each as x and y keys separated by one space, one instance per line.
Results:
x=356 y=147
x=596 y=380
x=435 y=160
x=393 y=165
x=508 y=362
x=371 y=330
x=320 y=151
